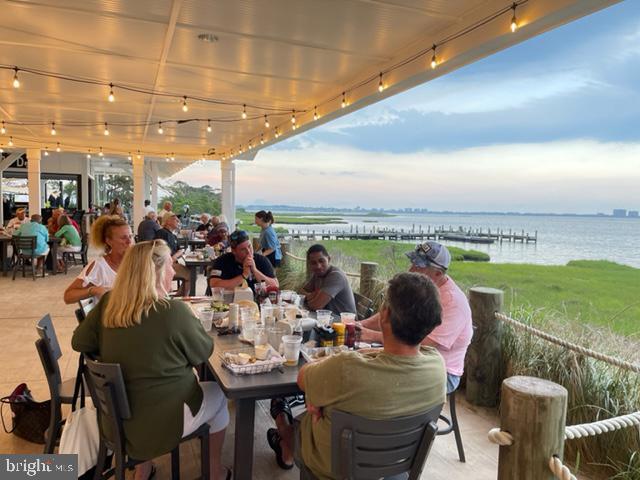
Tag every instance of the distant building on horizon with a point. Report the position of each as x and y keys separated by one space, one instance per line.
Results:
x=619 y=212
x=633 y=214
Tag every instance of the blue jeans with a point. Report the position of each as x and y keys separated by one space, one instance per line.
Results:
x=453 y=382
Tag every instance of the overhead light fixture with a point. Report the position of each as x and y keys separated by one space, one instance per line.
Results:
x=315 y=113
x=380 y=84
x=293 y=117
x=434 y=59
x=208 y=37
x=53 y=128
x=514 y=20
x=58 y=149
x=2 y=129
x=16 y=82
x=10 y=141
x=160 y=129
x=106 y=129
x=89 y=155
x=173 y=159
x=46 y=152
x=112 y=97
x=266 y=122
x=244 y=112
x=129 y=156
x=100 y=152
x=185 y=108
x=344 y=100
x=209 y=126
x=261 y=139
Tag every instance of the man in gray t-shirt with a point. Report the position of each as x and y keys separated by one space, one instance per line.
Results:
x=328 y=287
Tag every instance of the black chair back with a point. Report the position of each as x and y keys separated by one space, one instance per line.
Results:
x=20 y=244
x=87 y=304
x=371 y=449
x=47 y=332
x=109 y=395
x=364 y=306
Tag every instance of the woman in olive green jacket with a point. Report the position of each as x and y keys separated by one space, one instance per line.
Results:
x=157 y=342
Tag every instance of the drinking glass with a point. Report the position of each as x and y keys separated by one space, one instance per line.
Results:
x=292 y=344
x=267 y=315
x=323 y=317
x=217 y=294
x=248 y=330
x=259 y=335
x=346 y=318
x=275 y=334
x=290 y=312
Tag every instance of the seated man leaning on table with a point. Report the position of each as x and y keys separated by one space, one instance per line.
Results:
x=241 y=265
x=358 y=383
x=453 y=337
x=328 y=287
x=16 y=222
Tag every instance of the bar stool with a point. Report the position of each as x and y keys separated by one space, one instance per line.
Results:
x=452 y=425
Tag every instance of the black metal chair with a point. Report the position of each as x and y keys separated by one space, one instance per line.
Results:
x=61 y=392
x=86 y=305
x=24 y=250
x=75 y=256
x=362 y=448
x=364 y=306
x=452 y=425
x=108 y=392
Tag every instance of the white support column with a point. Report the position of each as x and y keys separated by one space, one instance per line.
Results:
x=33 y=176
x=228 y=175
x=154 y=186
x=138 y=190
x=84 y=184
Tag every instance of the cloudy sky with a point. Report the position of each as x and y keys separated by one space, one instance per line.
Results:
x=551 y=125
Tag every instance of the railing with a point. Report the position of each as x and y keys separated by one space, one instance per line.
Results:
x=532 y=410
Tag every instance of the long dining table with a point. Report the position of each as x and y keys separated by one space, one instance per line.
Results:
x=245 y=390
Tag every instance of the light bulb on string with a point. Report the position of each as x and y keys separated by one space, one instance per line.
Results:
x=261 y=139
x=2 y=129
x=10 y=142
x=139 y=156
x=16 y=82
x=112 y=97
x=293 y=117
x=315 y=113
x=276 y=132
x=514 y=20
x=380 y=84
x=100 y=152
x=173 y=159
x=244 y=112
x=209 y=126
x=344 y=100
x=46 y=151
x=266 y=122
x=160 y=129
x=58 y=149
x=294 y=127
x=129 y=156
x=185 y=108
x=434 y=59
x=53 y=128
x=106 y=129
x=89 y=155
x=1 y=149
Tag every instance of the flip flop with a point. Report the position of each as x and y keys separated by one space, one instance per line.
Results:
x=273 y=438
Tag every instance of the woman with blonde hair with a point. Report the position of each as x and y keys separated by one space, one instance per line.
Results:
x=112 y=235
x=157 y=341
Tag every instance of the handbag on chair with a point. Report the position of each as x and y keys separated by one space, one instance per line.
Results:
x=30 y=419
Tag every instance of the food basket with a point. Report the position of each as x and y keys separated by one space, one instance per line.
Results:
x=313 y=354
x=258 y=366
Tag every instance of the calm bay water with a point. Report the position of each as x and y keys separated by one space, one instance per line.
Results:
x=560 y=239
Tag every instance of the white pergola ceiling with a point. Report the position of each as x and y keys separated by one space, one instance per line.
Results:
x=281 y=54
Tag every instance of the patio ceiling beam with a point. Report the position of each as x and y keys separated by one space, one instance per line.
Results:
x=7 y=161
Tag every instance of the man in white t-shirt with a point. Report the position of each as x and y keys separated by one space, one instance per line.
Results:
x=16 y=222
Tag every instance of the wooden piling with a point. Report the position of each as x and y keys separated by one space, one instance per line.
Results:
x=284 y=248
x=368 y=272
x=483 y=363
x=534 y=412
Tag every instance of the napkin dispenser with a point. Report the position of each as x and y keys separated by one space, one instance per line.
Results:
x=242 y=294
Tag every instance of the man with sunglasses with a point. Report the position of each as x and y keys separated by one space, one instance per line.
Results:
x=241 y=265
x=453 y=336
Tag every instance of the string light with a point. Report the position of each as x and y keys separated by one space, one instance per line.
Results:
x=10 y=141
x=434 y=59
x=277 y=134
x=112 y=97
x=2 y=129
x=294 y=127
x=344 y=100
x=139 y=156
x=261 y=139
x=514 y=20
x=129 y=156
x=173 y=159
x=380 y=84
x=244 y=111
x=160 y=129
x=16 y=82
x=266 y=122
x=100 y=152
x=185 y=107
x=1 y=149
x=315 y=113
x=53 y=128
x=58 y=149
x=209 y=126
x=293 y=117
x=106 y=129
x=89 y=155
x=46 y=152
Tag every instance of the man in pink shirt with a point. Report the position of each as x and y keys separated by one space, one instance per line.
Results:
x=453 y=336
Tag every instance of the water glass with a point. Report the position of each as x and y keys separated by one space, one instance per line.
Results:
x=217 y=294
x=275 y=334
x=346 y=318
x=292 y=344
x=259 y=335
x=267 y=315
x=248 y=330
x=323 y=317
x=290 y=312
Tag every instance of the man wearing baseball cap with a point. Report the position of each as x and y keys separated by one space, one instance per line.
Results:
x=16 y=222
x=453 y=336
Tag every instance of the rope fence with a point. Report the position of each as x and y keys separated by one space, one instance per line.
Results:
x=603 y=426
x=570 y=346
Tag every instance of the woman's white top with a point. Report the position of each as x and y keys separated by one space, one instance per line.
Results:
x=100 y=274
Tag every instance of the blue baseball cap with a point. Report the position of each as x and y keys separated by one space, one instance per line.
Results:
x=429 y=254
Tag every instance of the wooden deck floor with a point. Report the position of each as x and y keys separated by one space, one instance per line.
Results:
x=23 y=302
